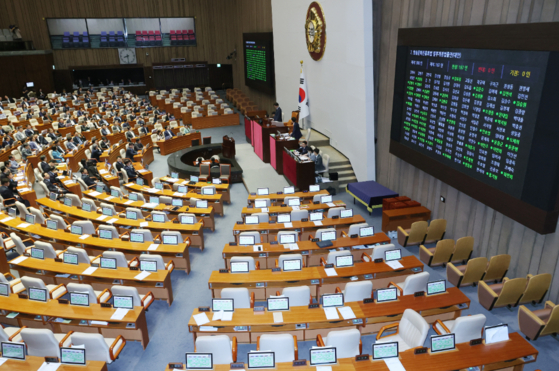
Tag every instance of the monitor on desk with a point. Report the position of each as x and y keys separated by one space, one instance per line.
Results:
x=99 y=188
x=288 y=190
x=385 y=350
x=344 y=261
x=73 y=356
x=332 y=300
x=158 y=218
x=105 y=234
x=148 y=265
x=76 y=229
x=158 y=186
x=346 y=213
x=226 y=305
x=316 y=216
x=440 y=343
x=13 y=350
x=188 y=219
x=107 y=211
x=293 y=202
x=70 y=258
x=4 y=289
x=199 y=361
x=170 y=240
x=389 y=294
x=136 y=237
x=174 y=175
x=37 y=294
x=86 y=207
x=314 y=188
x=182 y=189
x=30 y=218
x=133 y=196
x=260 y=204
x=154 y=200
x=115 y=193
x=79 y=299
x=258 y=359
x=194 y=178
x=67 y=201
x=326 y=199
x=436 y=287
x=287 y=238
x=125 y=302
x=290 y=265
x=323 y=356
x=177 y=202
x=262 y=191
x=284 y=218
x=140 y=181
x=209 y=191
x=37 y=253
x=132 y=215
x=328 y=236
x=395 y=254
x=251 y=219
x=108 y=263
x=53 y=196
x=12 y=212
x=202 y=204
x=239 y=267
x=246 y=240
x=366 y=231
x=277 y=303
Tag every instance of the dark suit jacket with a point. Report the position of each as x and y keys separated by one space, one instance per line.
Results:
x=6 y=194
x=96 y=154
x=131 y=172
x=303 y=151
x=130 y=153
x=119 y=166
x=277 y=115
x=296 y=131
x=44 y=167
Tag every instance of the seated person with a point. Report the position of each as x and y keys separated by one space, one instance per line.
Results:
x=168 y=133
x=8 y=195
x=131 y=152
x=138 y=146
x=91 y=182
x=53 y=187
x=56 y=154
x=130 y=171
x=303 y=150
x=96 y=152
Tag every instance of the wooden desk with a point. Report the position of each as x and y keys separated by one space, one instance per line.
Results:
x=176 y=143
x=114 y=138
x=206 y=214
x=308 y=196
x=66 y=130
x=50 y=271
x=222 y=189
x=52 y=309
x=214 y=200
x=268 y=231
x=194 y=231
x=25 y=183
x=276 y=151
x=92 y=133
x=145 y=157
x=310 y=250
x=75 y=158
x=264 y=282
x=177 y=253
x=214 y=121
x=300 y=174
x=392 y=219
x=112 y=154
x=369 y=317
x=35 y=159
x=505 y=355
x=274 y=210
x=34 y=364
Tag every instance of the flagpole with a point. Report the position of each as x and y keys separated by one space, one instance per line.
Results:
x=303 y=119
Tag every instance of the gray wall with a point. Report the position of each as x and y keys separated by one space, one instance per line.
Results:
x=494 y=233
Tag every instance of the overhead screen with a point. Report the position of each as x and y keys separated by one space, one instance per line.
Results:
x=482 y=120
x=258 y=54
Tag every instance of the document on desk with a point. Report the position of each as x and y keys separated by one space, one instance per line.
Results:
x=323 y=368
x=144 y=224
x=346 y=312
x=153 y=190
x=100 y=323
x=295 y=208
x=2 y=360
x=6 y=219
x=218 y=316
x=227 y=316
x=331 y=204
x=263 y=209
x=111 y=221
x=394 y=364
x=201 y=319
x=119 y=314
x=208 y=328
x=497 y=334
x=23 y=225
x=49 y=366
x=103 y=171
x=317 y=223
x=330 y=272
x=18 y=260
x=149 y=205
x=288 y=225
x=394 y=264
x=109 y=198
x=153 y=247
x=94 y=193
x=129 y=184
x=84 y=237
x=293 y=246
x=25 y=189
x=129 y=202
x=278 y=317
x=142 y=171
x=142 y=275
x=331 y=313
x=89 y=271
x=102 y=217
x=257 y=248
x=179 y=194
x=63 y=275
x=67 y=182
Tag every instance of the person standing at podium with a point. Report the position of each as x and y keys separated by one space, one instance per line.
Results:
x=277 y=114
x=296 y=133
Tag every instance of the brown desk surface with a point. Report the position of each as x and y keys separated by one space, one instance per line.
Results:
x=288 y=209
x=406 y=211
x=326 y=223
x=274 y=196
x=34 y=363
x=166 y=192
x=218 y=187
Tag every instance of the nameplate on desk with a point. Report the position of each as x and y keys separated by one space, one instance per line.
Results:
x=274 y=243
x=96 y=265
x=203 y=309
x=313 y=306
x=106 y=305
x=283 y=205
x=51 y=360
x=240 y=223
x=250 y=207
x=232 y=244
x=26 y=254
x=276 y=269
x=279 y=193
x=178 y=366
x=133 y=268
x=354 y=236
x=362 y=357
x=58 y=260
x=336 y=217
x=22 y=296
x=223 y=271
x=419 y=293
x=368 y=301
x=315 y=240
x=253 y=194
x=237 y=365
x=421 y=350
x=316 y=202
x=260 y=309
x=379 y=260
x=329 y=266
x=300 y=362
x=368 y=276
x=476 y=341
x=63 y=301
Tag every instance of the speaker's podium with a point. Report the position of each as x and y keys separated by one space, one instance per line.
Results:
x=299 y=173
x=228 y=147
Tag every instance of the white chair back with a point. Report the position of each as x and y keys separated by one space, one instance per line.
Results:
x=345 y=341
x=299 y=296
x=40 y=342
x=249 y=259
x=282 y=345
x=240 y=296
x=358 y=291
x=218 y=345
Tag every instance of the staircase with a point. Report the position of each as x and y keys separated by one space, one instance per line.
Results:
x=338 y=162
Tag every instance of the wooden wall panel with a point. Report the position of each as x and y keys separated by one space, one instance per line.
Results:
x=219 y=28
x=494 y=233
x=19 y=69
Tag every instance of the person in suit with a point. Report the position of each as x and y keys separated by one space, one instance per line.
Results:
x=119 y=165
x=43 y=165
x=77 y=140
x=34 y=143
x=131 y=152
x=104 y=130
x=129 y=133
x=318 y=165
x=96 y=152
x=303 y=150
x=7 y=142
x=51 y=134
x=13 y=165
x=53 y=176
x=143 y=130
x=8 y=195
x=115 y=128
x=26 y=151
x=138 y=146
x=42 y=140
x=20 y=135
x=296 y=133
x=29 y=131
x=104 y=144
x=13 y=183
x=10 y=100
x=130 y=171
x=51 y=186
x=277 y=114
x=168 y=133
x=70 y=145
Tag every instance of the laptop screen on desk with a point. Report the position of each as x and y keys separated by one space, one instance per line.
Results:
x=262 y=191
x=108 y=263
x=328 y=236
x=123 y=302
x=70 y=258
x=261 y=360
x=332 y=300
x=287 y=238
x=199 y=361
x=385 y=350
x=182 y=189
x=386 y=294
x=137 y=237
x=259 y=204
x=13 y=350
x=326 y=199
x=239 y=267
x=277 y=304
x=216 y=181
x=441 y=343
x=133 y=196
x=436 y=287
x=187 y=219
x=366 y=231
x=246 y=240
x=67 y=201
x=80 y=299
x=314 y=188
x=323 y=356
x=176 y=202
x=347 y=213
x=289 y=190
x=107 y=211
x=316 y=216
x=148 y=265
x=115 y=193
x=52 y=224
x=99 y=188
x=226 y=305
x=132 y=215
x=37 y=294
x=208 y=191
x=293 y=202
x=158 y=218
x=105 y=234
x=251 y=219
x=53 y=196
x=29 y=218
x=140 y=181
x=194 y=179
x=159 y=186
x=284 y=218
x=76 y=229
x=72 y=356
x=175 y=175
x=344 y=261
x=37 y=253
x=170 y=240
x=4 y=289
x=153 y=200
x=392 y=255
x=292 y=265
x=202 y=204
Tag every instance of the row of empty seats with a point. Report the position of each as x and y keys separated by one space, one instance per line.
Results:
x=422 y=233
x=75 y=40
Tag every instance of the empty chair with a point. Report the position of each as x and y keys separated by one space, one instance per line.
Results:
x=117 y=189
x=223 y=350
x=54 y=291
x=225 y=173
x=87 y=226
x=262 y=217
x=497 y=268
x=21 y=209
x=99 y=348
x=539 y=322
x=204 y=172
x=412 y=331
x=357 y=291
x=15 y=283
x=19 y=244
x=148 y=237
x=173 y=233
x=138 y=195
x=160 y=215
x=39 y=217
x=284 y=257
x=298 y=295
x=284 y=346
x=536 y=288
x=144 y=301
x=463 y=250
x=334 y=211
x=464 y=328
x=503 y=294
x=320 y=231
x=49 y=251
x=268 y=201
x=75 y=200
x=193 y=201
x=105 y=206
x=83 y=258
x=94 y=296
x=378 y=251
x=10 y=334
x=438 y=255
x=121 y=261
x=466 y=275
x=412 y=284
x=43 y=342
x=354 y=228
x=249 y=259
x=255 y=234
x=90 y=203
x=110 y=228
x=286 y=200
x=209 y=189
x=413 y=236
x=160 y=263
x=240 y=295
x=347 y=342
x=298 y=215
x=435 y=231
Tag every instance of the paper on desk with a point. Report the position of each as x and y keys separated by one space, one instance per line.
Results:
x=84 y=237
x=153 y=190
x=394 y=364
x=49 y=366
x=58 y=177
x=291 y=246
x=331 y=313
x=201 y=319
x=101 y=323
x=102 y=217
x=2 y=360
x=6 y=219
x=142 y=171
x=278 y=317
x=498 y=334
x=323 y=368
x=119 y=314
x=394 y=264
x=317 y=223
x=331 y=204
x=149 y=205
x=129 y=184
x=208 y=328
x=263 y=209
x=295 y=208
x=142 y=275
x=103 y=171
x=18 y=260
x=111 y=221
x=23 y=189
x=68 y=182
x=94 y=193
x=227 y=316
x=346 y=312
x=89 y=271
x=153 y=246
x=129 y=202
x=330 y=272
x=218 y=316
x=179 y=194
x=144 y=224
x=23 y=225
x=109 y=198
x=257 y=247
x=288 y=225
